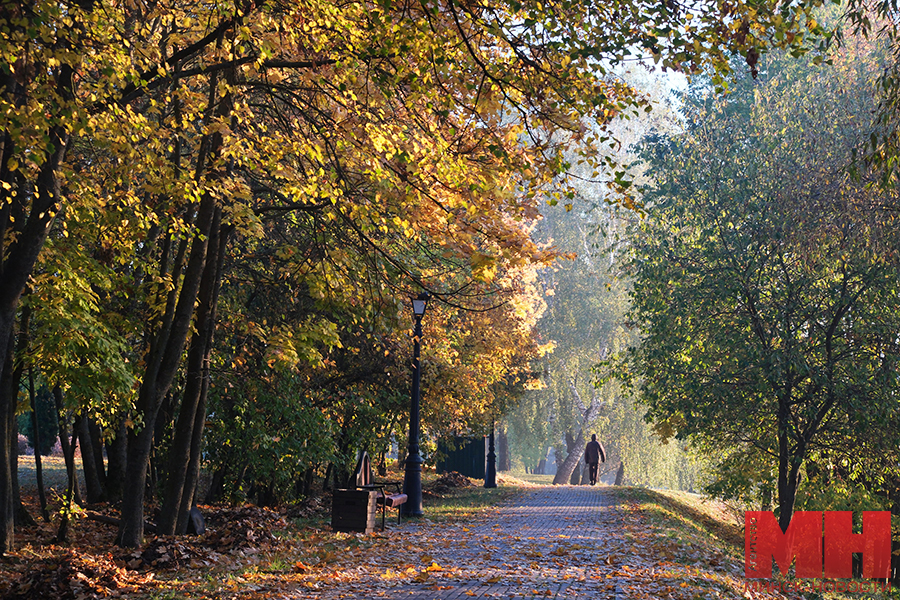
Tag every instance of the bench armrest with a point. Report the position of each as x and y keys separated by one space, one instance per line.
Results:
x=396 y=484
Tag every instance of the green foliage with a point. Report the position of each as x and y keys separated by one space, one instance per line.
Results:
x=266 y=433
x=648 y=461
x=836 y=493
x=739 y=473
x=81 y=334
x=765 y=283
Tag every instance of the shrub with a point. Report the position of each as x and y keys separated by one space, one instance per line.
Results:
x=23 y=446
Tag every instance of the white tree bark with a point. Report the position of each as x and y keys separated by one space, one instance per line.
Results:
x=589 y=414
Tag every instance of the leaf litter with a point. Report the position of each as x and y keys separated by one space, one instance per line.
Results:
x=617 y=549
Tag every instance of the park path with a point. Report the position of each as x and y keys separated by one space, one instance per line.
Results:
x=563 y=542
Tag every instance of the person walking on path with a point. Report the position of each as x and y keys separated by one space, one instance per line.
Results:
x=594 y=454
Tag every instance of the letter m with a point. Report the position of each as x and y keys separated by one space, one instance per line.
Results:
x=803 y=541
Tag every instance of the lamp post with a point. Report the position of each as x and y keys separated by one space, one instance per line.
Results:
x=490 y=474
x=412 y=478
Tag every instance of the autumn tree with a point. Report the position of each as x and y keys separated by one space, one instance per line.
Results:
x=331 y=335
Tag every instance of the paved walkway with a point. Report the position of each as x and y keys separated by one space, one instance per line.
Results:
x=552 y=542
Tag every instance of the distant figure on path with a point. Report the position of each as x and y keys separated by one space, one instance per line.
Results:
x=594 y=454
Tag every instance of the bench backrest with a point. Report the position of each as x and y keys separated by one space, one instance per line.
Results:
x=362 y=475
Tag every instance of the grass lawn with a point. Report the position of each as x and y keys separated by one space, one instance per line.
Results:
x=464 y=503
x=53 y=469
x=532 y=478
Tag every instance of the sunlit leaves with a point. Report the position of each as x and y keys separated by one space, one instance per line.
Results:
x=78 y=339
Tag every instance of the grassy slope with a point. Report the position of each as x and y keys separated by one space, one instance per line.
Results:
x=706 y=539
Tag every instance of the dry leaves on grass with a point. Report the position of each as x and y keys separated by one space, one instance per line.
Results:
x=72 y=575
x=237 y=540
x=231 y=532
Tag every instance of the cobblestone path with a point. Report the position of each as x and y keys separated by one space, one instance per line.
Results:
x=550 y=542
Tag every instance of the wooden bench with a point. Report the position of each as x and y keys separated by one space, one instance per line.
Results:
x=362 y=478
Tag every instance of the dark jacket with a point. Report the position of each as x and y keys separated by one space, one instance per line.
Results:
x=594 y=452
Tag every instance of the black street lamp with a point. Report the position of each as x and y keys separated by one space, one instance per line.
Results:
x=412 y=478
x=490 y=474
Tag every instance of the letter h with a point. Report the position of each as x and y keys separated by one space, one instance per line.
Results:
x=874 y=542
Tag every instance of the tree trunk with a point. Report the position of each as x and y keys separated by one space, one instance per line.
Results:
x=265 y=494
x=7 y=405
x=180 y=483
x=131 y=524
x=92 y=485
x=503 y=461
x=21 y=515
x=788 y=467
x=620 y=474
x=788 y=484
x=192 y=481
x=566 y=469
x=12 y=375
x=165 y=417
x=162 y=364
x=38 y=469
x=308 y=481
x=326 y=484
x=576 y=451
x=96 y=434
x=116 y=453
x=216 y=485
x=62 y=534
x=7 y=408
x=8 y=454
x=575 y=479
x=67 y=447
